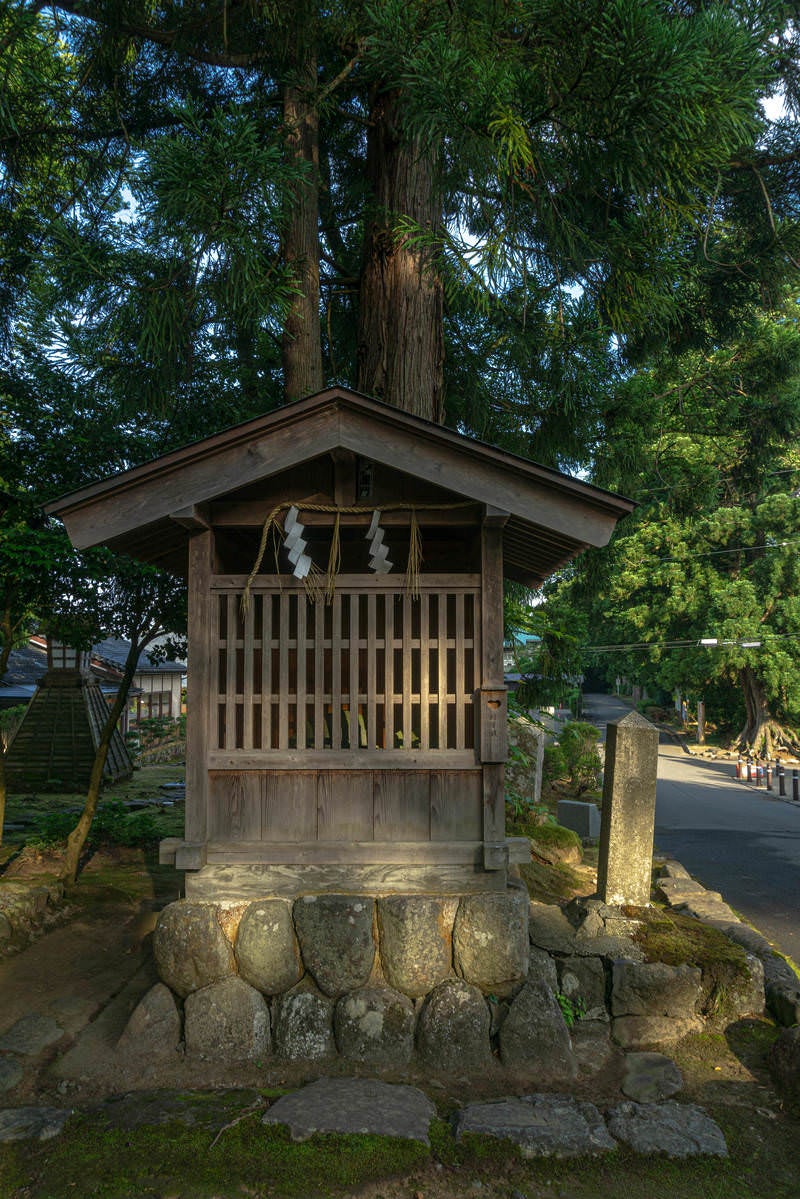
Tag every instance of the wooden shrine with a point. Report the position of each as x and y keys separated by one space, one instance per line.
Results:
x=354 y=717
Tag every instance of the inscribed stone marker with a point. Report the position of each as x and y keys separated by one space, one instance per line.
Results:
x=629 y=805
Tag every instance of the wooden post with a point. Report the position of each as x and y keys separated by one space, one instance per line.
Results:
x=701 y=722
x=198 y=708
x=492 y=694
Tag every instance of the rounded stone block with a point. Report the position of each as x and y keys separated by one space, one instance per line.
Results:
x=154 y=1027
x=490 y=941
x=228 y=1020
x=336 y=940
x=654 y=989
x=454 y=1028
x=650 y=1077
x=303 y=1025
x=534 y=1036
x=190 y=948
x=375 y=1025
x=583 y=981
x=266 y=947
x=416 y=941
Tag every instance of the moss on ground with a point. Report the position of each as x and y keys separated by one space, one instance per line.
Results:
x=251 y=1160
x=248 y=1159
x=552 y=884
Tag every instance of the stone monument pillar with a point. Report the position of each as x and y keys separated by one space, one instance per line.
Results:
x=629 y=807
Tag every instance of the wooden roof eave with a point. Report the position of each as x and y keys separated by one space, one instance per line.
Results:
x=142 y=511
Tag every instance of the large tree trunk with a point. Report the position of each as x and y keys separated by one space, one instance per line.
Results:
x=400 y=334
x=761 y=733
x=302 y=346
x=77 y=838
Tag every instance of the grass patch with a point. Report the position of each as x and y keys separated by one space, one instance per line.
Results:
x=47 y=817
x=249 y=1159
x=552 y=884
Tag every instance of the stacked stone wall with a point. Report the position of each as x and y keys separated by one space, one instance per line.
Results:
x=453 y=984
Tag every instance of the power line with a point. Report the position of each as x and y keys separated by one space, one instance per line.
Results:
x=689 y=643
x=733 y=549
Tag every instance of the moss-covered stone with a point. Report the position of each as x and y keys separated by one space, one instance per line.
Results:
x=731 y=979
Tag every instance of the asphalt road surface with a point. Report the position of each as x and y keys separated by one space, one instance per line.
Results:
x=732 y=837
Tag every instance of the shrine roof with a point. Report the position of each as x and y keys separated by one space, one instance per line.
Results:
x=151 y=510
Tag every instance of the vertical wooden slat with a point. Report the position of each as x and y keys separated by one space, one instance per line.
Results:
x=344 y=805
x=355 y=728
x=407 y=672
x=424 y=662
x=388 y=699
x=495 y=853
x=203 y=675
x=336 y=673
x=459 y=688
x=283 y=688
x=230 y=681
x=301 y=671
x=266 y=671
x=249 y=623
x=319 y=675
x=442 y=656
x=372 y=673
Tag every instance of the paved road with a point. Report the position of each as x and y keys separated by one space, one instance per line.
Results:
x=731 y=837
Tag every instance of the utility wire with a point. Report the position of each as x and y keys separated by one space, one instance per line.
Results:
x=687 y=644
x=733 y=549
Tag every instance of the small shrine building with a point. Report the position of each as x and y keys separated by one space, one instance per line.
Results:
x=346 y=724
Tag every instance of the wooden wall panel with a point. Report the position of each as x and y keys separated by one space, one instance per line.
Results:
x=456 y=805
x=289 y=805
x=402 y=805
x=235 y=806
x=344 y=805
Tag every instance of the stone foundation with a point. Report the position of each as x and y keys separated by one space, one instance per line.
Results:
x=453 y=983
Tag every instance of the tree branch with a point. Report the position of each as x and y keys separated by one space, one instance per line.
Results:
x=169 y=39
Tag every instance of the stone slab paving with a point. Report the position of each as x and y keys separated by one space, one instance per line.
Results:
x=31 y=1035
x=11 y=1072
x=676 y=1130
x=32 y=1123
x=541 y=1125
x=650 y=1077
x=354 y=1105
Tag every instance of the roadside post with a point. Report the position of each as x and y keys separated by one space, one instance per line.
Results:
x=629 y=806
x=781 y=779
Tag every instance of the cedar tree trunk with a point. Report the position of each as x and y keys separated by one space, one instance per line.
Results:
x=302 y=346
x=400 y=334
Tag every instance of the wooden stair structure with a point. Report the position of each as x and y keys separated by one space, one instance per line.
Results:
x=54 y=746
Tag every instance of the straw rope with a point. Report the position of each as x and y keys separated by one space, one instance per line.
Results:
x=313 y=581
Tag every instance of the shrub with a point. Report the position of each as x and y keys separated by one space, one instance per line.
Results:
x=112 y=825
x=575 y=757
